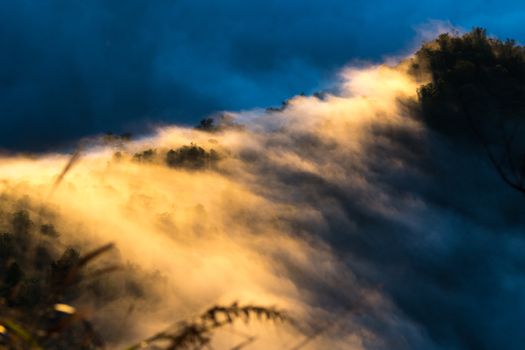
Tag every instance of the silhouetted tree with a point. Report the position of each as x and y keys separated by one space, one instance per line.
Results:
x=145 y=156
x=191 y=157
x=207 y=124
x=477 y=84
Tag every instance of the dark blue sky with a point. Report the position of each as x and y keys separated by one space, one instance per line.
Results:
x=71 y=68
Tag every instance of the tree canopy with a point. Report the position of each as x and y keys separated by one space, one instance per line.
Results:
x=476 y=95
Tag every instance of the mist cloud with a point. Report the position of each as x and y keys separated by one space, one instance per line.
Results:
x=346 y=210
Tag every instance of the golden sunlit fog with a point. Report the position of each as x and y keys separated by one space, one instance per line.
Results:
x=237 y=230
